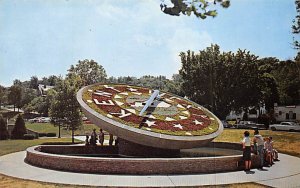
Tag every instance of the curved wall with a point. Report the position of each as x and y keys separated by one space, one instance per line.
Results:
x=140 y=166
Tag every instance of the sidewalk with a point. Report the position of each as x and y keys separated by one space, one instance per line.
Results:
x=285 y=173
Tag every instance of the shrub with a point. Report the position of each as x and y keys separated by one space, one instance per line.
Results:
x=28 y=137
x=42 y=134
x=3 y=129
x=51 y=134
x=19 y=129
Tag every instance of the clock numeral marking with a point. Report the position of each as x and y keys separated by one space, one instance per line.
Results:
x=124 y=93
x=118 y=97
x=169 y=119
x=109 y=103
x=198 y=122
x=131 y=89
x=102 y=93
x=110 y=87
x=177 y=126
x=169 y=100
x=119 y=103
x=180 y=106
x=136 y=93
x=122 y=114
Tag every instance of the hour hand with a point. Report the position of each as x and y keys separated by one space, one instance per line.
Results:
x=149 y=101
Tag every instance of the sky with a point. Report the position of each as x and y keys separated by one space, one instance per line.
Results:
x=131 y=37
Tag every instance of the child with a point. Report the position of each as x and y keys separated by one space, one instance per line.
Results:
x=274 y=151
x=268 y=151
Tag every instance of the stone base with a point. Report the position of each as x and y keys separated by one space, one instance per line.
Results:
x=128 y=148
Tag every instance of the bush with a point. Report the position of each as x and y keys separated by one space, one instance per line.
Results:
x=42 y=134
x=19 y=129
x=51 y=134
x=3 y=129
x=28 y=137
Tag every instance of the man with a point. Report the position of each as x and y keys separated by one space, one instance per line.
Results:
x=101 y=137
x=259 y=141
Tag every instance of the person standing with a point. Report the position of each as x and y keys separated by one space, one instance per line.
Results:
x=93 y=140
x=101 y=137
x=259 y=141
x=87 y=142
x=247 y=150
x=111 y=139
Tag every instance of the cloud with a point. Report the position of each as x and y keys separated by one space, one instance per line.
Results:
x=150 y=37
x=185 y=39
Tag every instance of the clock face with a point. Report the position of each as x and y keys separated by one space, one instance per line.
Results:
x=168 y=114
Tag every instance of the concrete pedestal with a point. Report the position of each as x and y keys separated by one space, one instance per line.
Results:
x=128 y=148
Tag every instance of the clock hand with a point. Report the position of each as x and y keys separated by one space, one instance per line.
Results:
x=149 y=101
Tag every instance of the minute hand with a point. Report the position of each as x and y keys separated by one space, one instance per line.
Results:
x=149 y=101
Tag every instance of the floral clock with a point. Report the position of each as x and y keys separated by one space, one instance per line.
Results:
x=142 y=115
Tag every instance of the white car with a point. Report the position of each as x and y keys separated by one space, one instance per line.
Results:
x=285 y=126
x=45 y=119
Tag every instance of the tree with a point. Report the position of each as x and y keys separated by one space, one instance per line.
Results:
x=268 y=85
x=64 y=109
x=52 y=80
x=34 y=82
x=288 y=81
x=2 y=95
x=15 y=96
x=200 y=8
x=89 y=71
x=19 y=128
x=221 y=82
x=27 y=96
x=296 y=25
x=3 y=129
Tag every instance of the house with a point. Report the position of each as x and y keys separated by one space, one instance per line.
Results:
x=253 y=114
x=287 y=113
x=43 y=89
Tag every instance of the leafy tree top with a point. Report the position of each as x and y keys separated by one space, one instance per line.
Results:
x=89 y=71
x=200 y=8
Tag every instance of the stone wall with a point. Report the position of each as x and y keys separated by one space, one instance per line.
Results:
x=140 y=166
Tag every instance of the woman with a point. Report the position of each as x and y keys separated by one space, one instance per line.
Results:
x=247 y=151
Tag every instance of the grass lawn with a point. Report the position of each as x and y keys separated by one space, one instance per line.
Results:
x=285 y=142
x=50 y=128
x=11 y=146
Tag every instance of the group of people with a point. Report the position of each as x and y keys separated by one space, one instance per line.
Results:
x=263 y=147
x=92 y=140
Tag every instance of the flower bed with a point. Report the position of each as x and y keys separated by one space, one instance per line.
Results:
x=169 y=114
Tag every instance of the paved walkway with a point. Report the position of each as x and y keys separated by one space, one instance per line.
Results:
x=285 y=173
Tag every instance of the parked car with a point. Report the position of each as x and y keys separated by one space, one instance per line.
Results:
x=45 y=120
x=285 y=126
x=225 y=124
x=35 y=120
x=40 y=120
x=249 y=125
